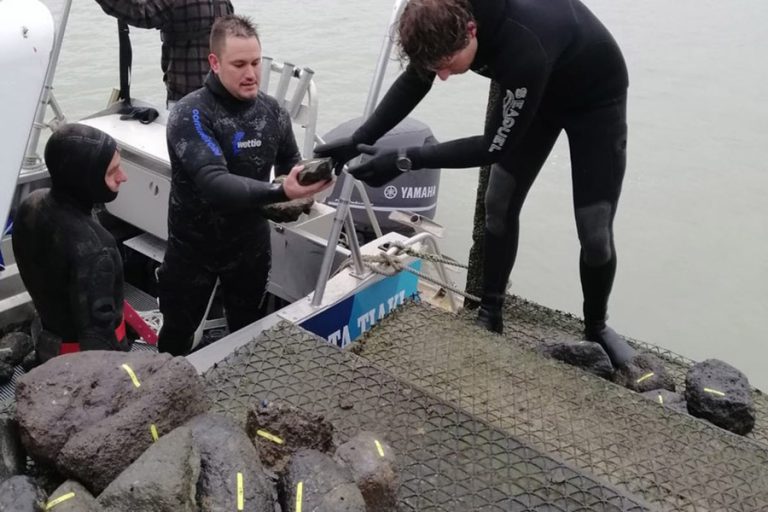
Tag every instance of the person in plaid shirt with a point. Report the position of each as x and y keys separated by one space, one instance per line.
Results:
x=184 y=29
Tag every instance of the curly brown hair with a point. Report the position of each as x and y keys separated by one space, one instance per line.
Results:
x=431 y=30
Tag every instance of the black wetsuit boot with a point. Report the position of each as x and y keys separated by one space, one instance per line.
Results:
x=596 y=282
x=496 y=268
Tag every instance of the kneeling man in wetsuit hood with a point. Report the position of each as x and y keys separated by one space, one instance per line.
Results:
x=69 y=263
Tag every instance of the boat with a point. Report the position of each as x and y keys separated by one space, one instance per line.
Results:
x=305 y=252
x=479 y=421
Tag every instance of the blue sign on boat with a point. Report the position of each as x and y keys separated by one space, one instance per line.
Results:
x=347 y=320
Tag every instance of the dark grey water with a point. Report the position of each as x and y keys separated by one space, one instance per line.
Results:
x=692 y=228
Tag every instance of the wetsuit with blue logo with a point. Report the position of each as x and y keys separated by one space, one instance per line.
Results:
x=559 y=70
x=221 y=151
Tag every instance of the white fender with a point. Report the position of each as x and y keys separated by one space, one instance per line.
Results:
x=26 y=39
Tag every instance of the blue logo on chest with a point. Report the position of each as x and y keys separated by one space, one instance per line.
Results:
x=236 y=142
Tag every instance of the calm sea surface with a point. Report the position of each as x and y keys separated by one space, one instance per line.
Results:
x=692 y=227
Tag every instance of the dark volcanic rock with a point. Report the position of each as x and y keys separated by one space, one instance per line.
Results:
x=372 y=463
x=163 y=479
x=12 y=457
x=326 y=485
x=225 y=452
x=295 y=428
x=30 y=361
x=718 y=392
x=315 y=169
x=287 y=211
x=84 y=414
x=21 y=494
x=46 y=477
x=645 y=372
x=584 y=354
x=73 y=497
x=14 y=347
x=668 y=398
x=6 y=372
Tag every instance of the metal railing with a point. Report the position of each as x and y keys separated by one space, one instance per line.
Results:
x=343 y=217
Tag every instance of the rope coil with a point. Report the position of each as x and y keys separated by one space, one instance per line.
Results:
x=387 y=264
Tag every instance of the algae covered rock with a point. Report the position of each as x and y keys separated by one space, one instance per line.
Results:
x=163 y=479
x=721 y=394
x=278 y=430
x=91 y=414
x=585 y=354
x=320 y=484
x=644 y=372
x=373 y=465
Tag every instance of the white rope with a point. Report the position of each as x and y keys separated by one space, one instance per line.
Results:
x=390 y=264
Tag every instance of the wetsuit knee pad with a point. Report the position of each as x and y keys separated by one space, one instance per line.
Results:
x=498 y=196
x=594 y=224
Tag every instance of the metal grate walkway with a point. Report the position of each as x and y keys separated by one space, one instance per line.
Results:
x=450 y=460
x=671 y=460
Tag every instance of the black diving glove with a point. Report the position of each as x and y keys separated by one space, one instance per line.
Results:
x=340 y=150
x=380 y=169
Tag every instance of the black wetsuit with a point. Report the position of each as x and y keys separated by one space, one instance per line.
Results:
x=559 y=69
x=221 y=151
x=69 y=263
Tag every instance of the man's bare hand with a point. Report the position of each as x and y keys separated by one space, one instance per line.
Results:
x=294 y=190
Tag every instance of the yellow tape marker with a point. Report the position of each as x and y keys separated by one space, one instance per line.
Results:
x=714 y=392
x=645 y=377
x=299 y=495
x=271 y=437
x=58 y=500
x=131 y=375
x=153 y=431
x=379 y=448
x=240 y=492
x=661 y=400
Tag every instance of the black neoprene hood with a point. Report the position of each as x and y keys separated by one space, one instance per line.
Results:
x=77 y=157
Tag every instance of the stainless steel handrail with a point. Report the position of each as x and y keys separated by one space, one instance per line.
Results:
x=343 y=215
x=31 y=159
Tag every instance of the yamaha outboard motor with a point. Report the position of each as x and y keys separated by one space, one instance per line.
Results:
x=414 y=192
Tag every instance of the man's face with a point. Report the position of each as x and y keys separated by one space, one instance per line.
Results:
x=115 y=174
x=460 y=61
x=239 y=66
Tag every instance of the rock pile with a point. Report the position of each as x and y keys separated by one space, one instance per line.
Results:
x=117 y=432
x=714 y=390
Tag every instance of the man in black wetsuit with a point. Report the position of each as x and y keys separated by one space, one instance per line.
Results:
x=69 y=263
x=223 y=140
x=559 y=69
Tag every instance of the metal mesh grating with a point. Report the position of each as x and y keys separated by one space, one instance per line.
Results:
x=530 y=324
x=674 y=461
x=449 y=459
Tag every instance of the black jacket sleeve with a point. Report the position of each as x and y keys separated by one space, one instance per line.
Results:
x=402 y=97
x=139 y=13
x=191 y=138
